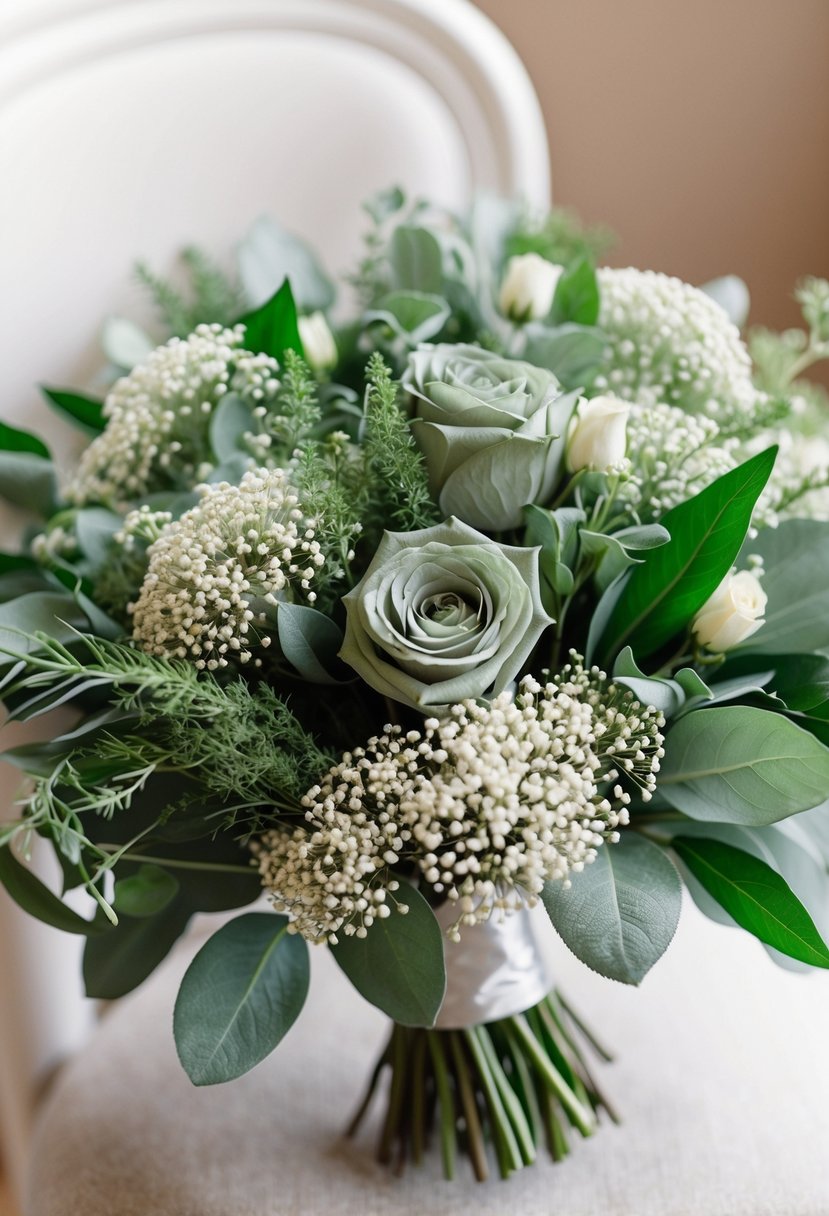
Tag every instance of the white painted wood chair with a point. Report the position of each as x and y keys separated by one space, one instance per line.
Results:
x=130 y=127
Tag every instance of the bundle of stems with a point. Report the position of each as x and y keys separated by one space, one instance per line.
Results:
x=502 y=1089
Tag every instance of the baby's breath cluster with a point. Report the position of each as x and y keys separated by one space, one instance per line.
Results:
x=670 y=343
x=672 y=456
x=488 y=804
x=158 y=417
x=214 y=572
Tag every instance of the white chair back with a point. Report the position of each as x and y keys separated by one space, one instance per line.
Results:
x=131 y=127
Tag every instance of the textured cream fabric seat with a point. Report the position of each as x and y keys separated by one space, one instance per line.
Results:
x=722 y=1081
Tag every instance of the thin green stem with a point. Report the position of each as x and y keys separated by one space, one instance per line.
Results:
x=446 y=1102
x=506 y=1144
x=509 y=1098
x=176 y=863
x=580 y=1115
x=474 y=1133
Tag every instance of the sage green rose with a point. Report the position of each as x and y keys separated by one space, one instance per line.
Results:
x=442 y=614
x=492 y=431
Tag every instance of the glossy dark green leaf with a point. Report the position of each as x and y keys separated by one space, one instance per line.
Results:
x=622 y=910
x=26 y=889
x=86 y=412
x=577 y=295
x=755 y=896
x=14 y=440
x=240 y=996
x=272 y=328
x=740 y=764
x=661 y=597
x=399 y=965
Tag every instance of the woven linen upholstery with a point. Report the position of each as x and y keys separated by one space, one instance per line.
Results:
x=722 y=1079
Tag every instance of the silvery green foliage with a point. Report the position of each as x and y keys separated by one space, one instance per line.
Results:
x=492 y=431
x=442 y=614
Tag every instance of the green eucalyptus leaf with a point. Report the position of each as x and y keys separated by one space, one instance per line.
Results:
x=268 y=255
x=643 y=536
x=272 y=328
x=125 y=344
x=145 y=892
x=122 y=956
x=577 y=295
x=52 y=612
x=28 y=480
x=94 y=530
x=661 y=597
x=611 y=557
x=622 y=910
x=755 y=896
x=231 y=421
x=26 y=889
x=413 y=315
x=572 y=352
x=399 y=965
x=239 y=997
x=310 y=641
x=796 y=580
x=664 y=694
x=85 y=412
x=738 y=764
x=416 y=261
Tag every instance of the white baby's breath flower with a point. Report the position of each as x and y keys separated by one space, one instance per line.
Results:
x=158 y=417
x=214 y=572
x=489 y=803
x=671 y=343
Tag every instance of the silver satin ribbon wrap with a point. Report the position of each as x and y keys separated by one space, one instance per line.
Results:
x=503 y=966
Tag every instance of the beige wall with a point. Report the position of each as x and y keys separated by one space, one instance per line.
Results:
x=698 y=129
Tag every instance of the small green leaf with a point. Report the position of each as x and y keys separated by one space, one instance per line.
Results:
x=231 y=421
x=755 y=896
x=28 y=481
x=399 y=965
x=572 y=352
x=738 y=764
x=145 y=892
x=239 y=997
x=87 y=412
x=125 y=344
x=13 y=440
x=577 y=295
x=52 y=612
x=416 y=260
x=268 y=255
x=33 y=897
x=12 y=562
x=95 y=528
x=622 y=910
x=661 y=597
x=272 y=328
x=310 y=641
x=413 y=315
x=667 y=695
x=796 y=580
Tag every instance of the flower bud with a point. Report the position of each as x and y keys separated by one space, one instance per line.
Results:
x=317 y=341
x=733 y=613
x=528 y=287
x=599 y=436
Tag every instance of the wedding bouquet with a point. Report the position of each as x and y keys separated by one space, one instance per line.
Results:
x=497 y=610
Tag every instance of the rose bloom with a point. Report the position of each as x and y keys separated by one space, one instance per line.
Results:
x=443 y=614
x=733 y=613
x=599 y=436
x=528 y=287
x=492 y=431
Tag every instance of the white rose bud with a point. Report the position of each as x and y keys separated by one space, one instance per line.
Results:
x=528 y=287
x=733 y=613
x=317 y=341
x=598 y=439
